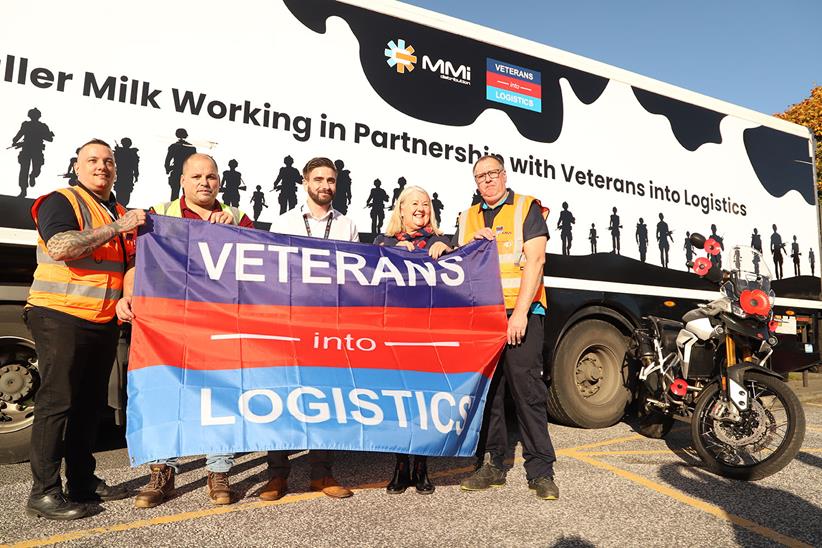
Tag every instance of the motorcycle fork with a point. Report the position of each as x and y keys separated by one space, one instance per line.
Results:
x=732 y=383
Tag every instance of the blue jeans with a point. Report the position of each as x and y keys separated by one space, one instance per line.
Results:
x=217 y=462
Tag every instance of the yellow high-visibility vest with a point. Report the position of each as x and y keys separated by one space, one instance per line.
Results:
x=508 y=230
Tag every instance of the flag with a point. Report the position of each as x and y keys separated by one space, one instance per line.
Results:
x=246 y=340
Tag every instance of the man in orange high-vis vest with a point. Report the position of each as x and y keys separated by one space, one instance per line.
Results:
x=517 y=223
x=86 y=241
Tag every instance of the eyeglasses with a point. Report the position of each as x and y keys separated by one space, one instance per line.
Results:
x=488 y=175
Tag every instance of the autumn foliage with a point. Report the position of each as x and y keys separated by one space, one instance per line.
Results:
x=808 y=113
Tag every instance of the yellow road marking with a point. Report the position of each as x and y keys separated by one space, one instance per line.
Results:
x=621 y=439
x=159 y=520
x=695 y=503
x=813 y=404
x=813 y=428
x=616 y=453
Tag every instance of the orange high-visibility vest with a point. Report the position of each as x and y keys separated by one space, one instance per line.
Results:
x=507 y=228
x=88 y=287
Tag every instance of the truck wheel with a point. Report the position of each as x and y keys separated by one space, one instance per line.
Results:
x=19 y=381
x=589 y=378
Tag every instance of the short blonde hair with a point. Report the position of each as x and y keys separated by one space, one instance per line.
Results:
x=395 y=222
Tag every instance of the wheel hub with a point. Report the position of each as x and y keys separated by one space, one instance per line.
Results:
x=588 y=373
x=752 y=427
x=16 y=383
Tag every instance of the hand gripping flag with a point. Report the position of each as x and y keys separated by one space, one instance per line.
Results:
x=246 y=340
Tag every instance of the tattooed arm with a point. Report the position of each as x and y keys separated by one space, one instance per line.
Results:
x=74 y=244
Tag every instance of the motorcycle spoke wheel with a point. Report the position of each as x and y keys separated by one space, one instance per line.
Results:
x=766 y=438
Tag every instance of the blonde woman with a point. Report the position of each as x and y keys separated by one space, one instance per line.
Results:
x=413 y=228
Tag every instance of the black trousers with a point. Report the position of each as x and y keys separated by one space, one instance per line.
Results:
x=74 y=361
x=320 y=460
x=520 y=371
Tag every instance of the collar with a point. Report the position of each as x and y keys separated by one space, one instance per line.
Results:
x=183 y=206
x=112 y=200
x=305 y=210
x=509 y=200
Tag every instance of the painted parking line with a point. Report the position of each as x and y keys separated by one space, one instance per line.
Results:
x=693 y=502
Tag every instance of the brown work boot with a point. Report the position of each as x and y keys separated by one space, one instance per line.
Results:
x=160 y=487
x=275 y=489
x=331 y=488
x=219 y=490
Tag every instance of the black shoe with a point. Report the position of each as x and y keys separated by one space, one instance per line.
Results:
x=402 y=476
x=97 y=492
x=55 y=506
x=486 y=476
x=420 y=476
x=545 y=487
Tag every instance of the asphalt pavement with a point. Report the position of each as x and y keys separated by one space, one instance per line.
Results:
x=617 y=489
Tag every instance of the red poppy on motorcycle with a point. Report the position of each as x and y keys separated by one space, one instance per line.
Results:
x=755 y=302
x=772 y=325
x=679 y=387
x=712 y=247
x=702 y=265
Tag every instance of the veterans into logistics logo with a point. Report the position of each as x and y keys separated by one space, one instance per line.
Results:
x=512 y=85
x=400 y=56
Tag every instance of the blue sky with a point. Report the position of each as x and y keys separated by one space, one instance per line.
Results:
x=760 y=54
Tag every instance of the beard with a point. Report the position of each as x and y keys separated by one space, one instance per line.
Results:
x=321 y=199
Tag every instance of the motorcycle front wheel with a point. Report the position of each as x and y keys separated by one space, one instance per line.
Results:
x=762 y=443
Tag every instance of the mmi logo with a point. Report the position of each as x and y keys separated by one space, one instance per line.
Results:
x=402 y=58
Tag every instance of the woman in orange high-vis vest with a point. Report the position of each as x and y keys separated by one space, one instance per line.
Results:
x=85 y=243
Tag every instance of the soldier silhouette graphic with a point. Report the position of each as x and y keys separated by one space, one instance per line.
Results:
x=777 y=248
x=812 y=260
x=437 y=206
x=565 y=227
x=716 y=260
x=376 y=201
x=614 y=227
x=664 y=237
x=342 y=196
x=70 y=174
x=689 y=251
x=795 y=254
x=756 y=240
x=397 y=191
x=232 y=184
x=592 y=237
x=642 y=239
x=128 y=170
x=258 y=201
x=286 y=182
x=176 y=156
x=30 y=139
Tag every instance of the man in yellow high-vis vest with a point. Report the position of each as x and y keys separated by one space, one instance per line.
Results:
x=200 y=181
x=517 y=223
x=85 y=244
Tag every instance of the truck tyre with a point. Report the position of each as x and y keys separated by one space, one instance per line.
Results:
x=589 y=379
x=18 y=383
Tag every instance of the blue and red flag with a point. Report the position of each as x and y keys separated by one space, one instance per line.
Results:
x=246 y=340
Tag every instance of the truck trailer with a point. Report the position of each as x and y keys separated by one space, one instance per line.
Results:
x=395 y=95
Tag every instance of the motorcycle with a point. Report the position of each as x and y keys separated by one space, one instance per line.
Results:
x=713 y=368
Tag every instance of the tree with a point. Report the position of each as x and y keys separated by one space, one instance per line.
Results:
x=808 y=113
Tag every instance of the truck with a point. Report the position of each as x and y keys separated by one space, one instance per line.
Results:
x=395 y=95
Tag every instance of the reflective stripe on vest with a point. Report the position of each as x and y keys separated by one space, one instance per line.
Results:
x=174 y=209
x=509 y=244
x=90 y=286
